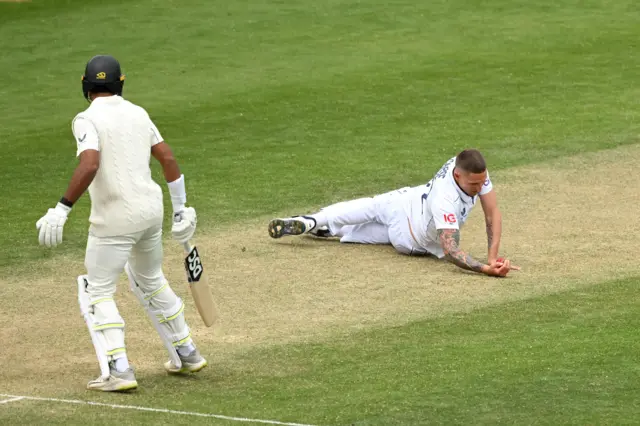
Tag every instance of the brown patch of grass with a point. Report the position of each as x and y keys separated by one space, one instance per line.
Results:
x=565 y=224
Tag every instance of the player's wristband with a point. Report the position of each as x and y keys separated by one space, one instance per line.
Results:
x=178 y=193
x=66 y=202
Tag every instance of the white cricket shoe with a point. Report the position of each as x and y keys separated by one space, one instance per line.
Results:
x=116 y=382
x=296 y=225
x=191 y=363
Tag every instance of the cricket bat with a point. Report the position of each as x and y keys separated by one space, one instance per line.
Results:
x=199 y=286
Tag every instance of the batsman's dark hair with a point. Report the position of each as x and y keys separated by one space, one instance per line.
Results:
x=471 y=161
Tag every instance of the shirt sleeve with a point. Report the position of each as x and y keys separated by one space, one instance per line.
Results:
x=86 y=135
x=444 y=214
x=156 y=137
x=488 y=186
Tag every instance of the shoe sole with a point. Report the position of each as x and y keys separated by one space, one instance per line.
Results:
x=280 y=227
x=194 y=369
x=119 y=388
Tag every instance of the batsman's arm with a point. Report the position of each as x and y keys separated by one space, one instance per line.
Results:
x=493 y=222
x=163 y=153
x=83 y=175
x=175 y=179
x=450 y=240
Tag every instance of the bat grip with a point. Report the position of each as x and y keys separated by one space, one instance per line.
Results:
x=187 y=246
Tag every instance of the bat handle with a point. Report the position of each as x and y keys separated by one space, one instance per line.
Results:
x=187 y=246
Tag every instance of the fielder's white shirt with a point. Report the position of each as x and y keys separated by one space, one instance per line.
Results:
x=440 y=204
x=124 y=197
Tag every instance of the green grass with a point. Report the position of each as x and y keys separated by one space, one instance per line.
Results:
x=569 y=358
x=274 y=106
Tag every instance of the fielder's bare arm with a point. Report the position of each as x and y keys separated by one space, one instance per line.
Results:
x=115 y=140
x=419 y=220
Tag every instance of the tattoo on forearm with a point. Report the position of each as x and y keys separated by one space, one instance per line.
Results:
x=450 y=239
x=490 y=234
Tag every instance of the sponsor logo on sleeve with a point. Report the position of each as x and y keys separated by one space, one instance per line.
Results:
x=487 y=182
x=450 y=218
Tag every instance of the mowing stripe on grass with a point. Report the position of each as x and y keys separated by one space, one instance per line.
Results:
x=155 y=410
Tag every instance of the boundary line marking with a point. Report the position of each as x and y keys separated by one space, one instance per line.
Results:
x=139 y=408
x=6 y=401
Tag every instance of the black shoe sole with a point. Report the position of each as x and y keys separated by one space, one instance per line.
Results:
x=280 y=227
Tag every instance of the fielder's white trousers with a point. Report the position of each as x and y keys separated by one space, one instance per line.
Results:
x=374 y=220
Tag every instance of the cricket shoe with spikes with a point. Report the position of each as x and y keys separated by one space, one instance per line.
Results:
x=116 y=382
x=191 y=363
x=296 y=225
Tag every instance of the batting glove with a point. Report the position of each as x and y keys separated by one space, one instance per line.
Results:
x=184 y=224
x=51 y=225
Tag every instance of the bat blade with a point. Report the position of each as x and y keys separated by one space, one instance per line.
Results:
x=199 y=286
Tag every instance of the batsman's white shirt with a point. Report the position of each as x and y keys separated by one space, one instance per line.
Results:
x=124 y=197
x=440 y=204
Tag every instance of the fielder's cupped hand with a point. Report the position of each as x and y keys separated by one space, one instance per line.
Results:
x=50 y=225
x=511 y=265
x=184 y=224
x=501 y=267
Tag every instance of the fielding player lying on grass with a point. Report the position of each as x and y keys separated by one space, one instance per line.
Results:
x=115 y=141
x=419 y=220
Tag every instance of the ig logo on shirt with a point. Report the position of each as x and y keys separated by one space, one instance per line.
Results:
x=450 y=218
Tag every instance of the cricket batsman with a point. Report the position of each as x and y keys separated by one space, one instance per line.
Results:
x=115 y=140
x=421 y=220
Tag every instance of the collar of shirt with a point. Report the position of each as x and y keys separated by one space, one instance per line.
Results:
x=107 y=99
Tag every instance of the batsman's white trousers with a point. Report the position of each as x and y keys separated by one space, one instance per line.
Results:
x=374 y=220
x=105 y=260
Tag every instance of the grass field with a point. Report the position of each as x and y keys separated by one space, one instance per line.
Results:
x=277 y=107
